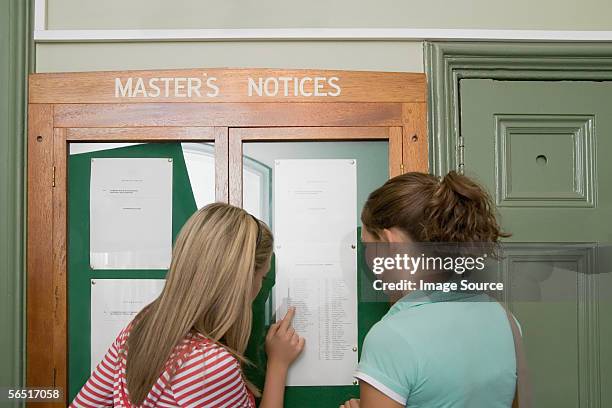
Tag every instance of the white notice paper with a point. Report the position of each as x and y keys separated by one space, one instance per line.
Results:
x=114 y=303
x=131 y=213
x=316 y=265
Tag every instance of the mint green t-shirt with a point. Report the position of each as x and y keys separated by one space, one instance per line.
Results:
x=442 y=350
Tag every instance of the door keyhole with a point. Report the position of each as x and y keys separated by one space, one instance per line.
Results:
x=541 y=160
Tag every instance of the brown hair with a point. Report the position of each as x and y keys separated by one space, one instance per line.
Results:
x=429 y=209
x=208 y=289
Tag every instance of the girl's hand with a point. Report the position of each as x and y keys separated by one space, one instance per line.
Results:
x=283 y=344
x=352 y=403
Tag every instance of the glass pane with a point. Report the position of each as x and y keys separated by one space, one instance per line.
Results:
x=199 y=160
x=260 y=159
x=372 y=159
x=192 y=186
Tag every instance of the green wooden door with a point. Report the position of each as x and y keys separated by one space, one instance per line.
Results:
x=542 y=149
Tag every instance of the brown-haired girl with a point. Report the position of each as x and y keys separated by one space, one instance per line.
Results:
x=186 y=348
x=435 y=349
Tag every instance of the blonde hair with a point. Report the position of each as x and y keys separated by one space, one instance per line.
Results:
x=208 y=289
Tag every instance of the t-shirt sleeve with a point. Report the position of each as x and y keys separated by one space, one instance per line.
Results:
x=98 y=390
x=387 y=363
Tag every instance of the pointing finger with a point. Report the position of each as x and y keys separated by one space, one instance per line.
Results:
x=286 y=322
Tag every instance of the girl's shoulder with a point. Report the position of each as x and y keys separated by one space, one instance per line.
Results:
x=208 y=350
x=122 y=337
x=386 y=333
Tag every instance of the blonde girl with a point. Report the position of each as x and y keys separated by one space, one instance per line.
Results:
x=186 y=348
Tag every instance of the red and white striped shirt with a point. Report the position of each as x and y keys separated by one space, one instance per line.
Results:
x=199 y=373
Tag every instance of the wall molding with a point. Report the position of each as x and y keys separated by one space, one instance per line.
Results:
x=16 y=61
x=447 y=63
x=314 y=34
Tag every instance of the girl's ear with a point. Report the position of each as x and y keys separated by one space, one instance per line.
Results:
x=394 y=234
x=367 y=236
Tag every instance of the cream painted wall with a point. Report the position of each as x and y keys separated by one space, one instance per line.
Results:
x=373 y=56
x=362 y=55
x=497 y=14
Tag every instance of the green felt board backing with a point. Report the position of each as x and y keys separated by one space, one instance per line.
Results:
x=183 y=205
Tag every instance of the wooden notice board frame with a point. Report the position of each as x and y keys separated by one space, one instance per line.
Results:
x=229 y=106
x=237 y=136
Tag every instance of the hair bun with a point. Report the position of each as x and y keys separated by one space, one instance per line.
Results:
x=452 y=208
x=460 y=210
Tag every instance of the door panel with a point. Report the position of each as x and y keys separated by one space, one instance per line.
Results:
x=541 y=148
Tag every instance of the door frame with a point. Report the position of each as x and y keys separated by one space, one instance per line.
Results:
x=447 y=63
